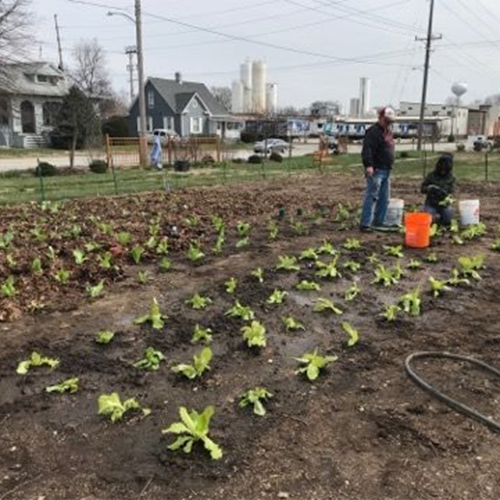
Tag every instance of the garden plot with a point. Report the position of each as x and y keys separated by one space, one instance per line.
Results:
x=274 y=313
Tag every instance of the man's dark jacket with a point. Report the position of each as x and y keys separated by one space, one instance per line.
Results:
x=378 y=148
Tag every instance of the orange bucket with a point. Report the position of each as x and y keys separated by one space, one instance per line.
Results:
x=418 y=230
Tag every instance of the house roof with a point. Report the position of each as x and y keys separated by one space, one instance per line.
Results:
x=176 y=95
x=20 y=79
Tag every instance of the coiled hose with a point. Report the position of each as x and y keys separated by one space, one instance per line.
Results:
x=453 y=403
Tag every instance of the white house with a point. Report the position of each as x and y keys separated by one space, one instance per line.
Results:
x=30 y=98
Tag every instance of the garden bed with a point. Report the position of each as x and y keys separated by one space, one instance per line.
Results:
x=361 y=430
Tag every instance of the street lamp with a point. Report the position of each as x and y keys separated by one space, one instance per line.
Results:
x=140 y=64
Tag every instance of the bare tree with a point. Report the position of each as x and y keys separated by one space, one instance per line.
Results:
x=223 y=96
x=15 y=19
x=90 y=72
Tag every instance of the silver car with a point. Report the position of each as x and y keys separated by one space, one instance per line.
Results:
x=272 y=145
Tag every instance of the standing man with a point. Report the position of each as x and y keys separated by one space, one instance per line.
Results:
x=378 y=159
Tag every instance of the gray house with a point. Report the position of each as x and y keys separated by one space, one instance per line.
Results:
x=186 y=108
x=30 y=98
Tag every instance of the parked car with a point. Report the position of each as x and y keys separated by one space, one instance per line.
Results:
x=164 y=134
x=482 y=144
x=273 y=146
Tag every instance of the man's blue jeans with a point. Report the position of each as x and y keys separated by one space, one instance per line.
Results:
x=377 y=195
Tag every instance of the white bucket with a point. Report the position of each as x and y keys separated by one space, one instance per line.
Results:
x=395 y=212
x=469 y=212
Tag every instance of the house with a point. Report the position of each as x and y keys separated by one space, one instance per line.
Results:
x=186 y=108
x=30 y=98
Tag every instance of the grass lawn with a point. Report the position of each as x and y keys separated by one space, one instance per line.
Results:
x=21 y=187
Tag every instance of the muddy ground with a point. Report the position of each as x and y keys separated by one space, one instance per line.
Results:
x=362 y=430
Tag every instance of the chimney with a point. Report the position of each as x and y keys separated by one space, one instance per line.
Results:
x=178 y=77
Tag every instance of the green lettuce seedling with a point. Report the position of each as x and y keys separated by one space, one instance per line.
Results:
x=201 y=364
x=387 y=277
x=165 y=264
x=352 y=292
x=162 y=247
x=475 y=231
x=391 y=312
x=218 y=223
x=79 y=256
x=431 y=258
x=272 y=230
x=496 y=245
x=352 y=332
x=287 y=263
x=124 y=238
x=352 y=266
x=456 y=280
x=305 y=285
x=328 y=271
x=104 y=338
x=110 y=405
x=411 y=302
x=394 y=251
x=352 y=244
x=323 y=305
x=327 y=249
x=70 y=385
x=136 y=253
x=96 y=290
x=8 y=288
x=203 y=335
x=198 y=302
x=195 y=254
x=438 y=287
x=34 y=361
x=314 y=363
x=219 y=244
x=143 y=277
x=231 y=285
x=277 y=297
x=414 y=264
x=255 y=397
x=155 y=317
x=254 y=334
x=258 y=274
x=62 y=276
x=241 y=312
x=291 y=324
x=194 y=427
x=36 y=266
x=243 y=229
x=309 y=254
x=471 y=265
x=105 y=260
x=151 y=361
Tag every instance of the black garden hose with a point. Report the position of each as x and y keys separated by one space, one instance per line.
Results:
x=456 y=405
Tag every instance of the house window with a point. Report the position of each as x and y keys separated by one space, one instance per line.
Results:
x=150 y=124
x=151 y=99
x=50 y=112
x=42 y=79
x=196 y=125
x=168 y=123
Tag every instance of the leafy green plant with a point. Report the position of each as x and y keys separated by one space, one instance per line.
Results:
x=124 y=238
x=298 y=227
x=70 y=385
x=231 y=285
x=323 y=305
x=352 y=292
x=36 y=266
x=291 y=324
x=198 y=302
x=277 y=297
x=327 y=249
x=272 y=230
x=110 y=405
x=51 y=253
x=192 y=220
x=152 y=243
x=136 y=253
x=218 y=224
x=305 y=285
x=241 y=312
x=34 y=361
x=243 y=229
x=151 y=360
x=62 y=276
x=154 y=316
x=352 y=266
x=104 y=338
x=255 y=397
x=313 y=364
x=414 y=264
x=342 y=214
x=142 y=277
x=431 y=258
x=6 y=239
x=254 y=334
x=203 y=335
x=386 y=276
x=162 y=247
x=496 y=245
x=391 y=312
x=330 y=270
x=352 y=332
x=8 y=288
x=194 y=427
x=456 y=280
x=201 y=364
x=258 y=274
x=394 y=251
x=470 y=266
x=287 y=263
x=309 y=254
x=195 y=254
x=165 y=264
x=411 y=302
x=374 y=259
x=79 y=256
x=438 y=287
x=352 y=244
x=243 y=242
x=457 y=240
x=96 y=290
x=475 y=231
x=10 y=260
x=105 y=260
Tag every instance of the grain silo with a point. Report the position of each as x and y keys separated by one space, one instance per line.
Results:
x=259 y=79
x=237 y=97
x=272 y=98
x=246 y=81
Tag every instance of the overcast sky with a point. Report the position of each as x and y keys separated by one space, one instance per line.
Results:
x=315 y=49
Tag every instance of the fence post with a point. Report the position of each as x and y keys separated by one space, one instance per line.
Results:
x=290 y=143
x=42 y=185
x=486 y=166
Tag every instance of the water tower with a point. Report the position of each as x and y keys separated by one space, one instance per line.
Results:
x=459 y=89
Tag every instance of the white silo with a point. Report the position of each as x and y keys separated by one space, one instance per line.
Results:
x=271 y=98
x=237 y=97
x=259 y=79
x=365 y=89
x=246 y=81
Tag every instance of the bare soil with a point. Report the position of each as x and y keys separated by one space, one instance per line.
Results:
x=362 y=430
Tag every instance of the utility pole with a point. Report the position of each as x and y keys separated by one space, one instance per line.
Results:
x=142 y=96
x=131 y=51
x=428 y=49
x=59 y=46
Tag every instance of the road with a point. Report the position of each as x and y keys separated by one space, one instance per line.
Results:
x=82 y=159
